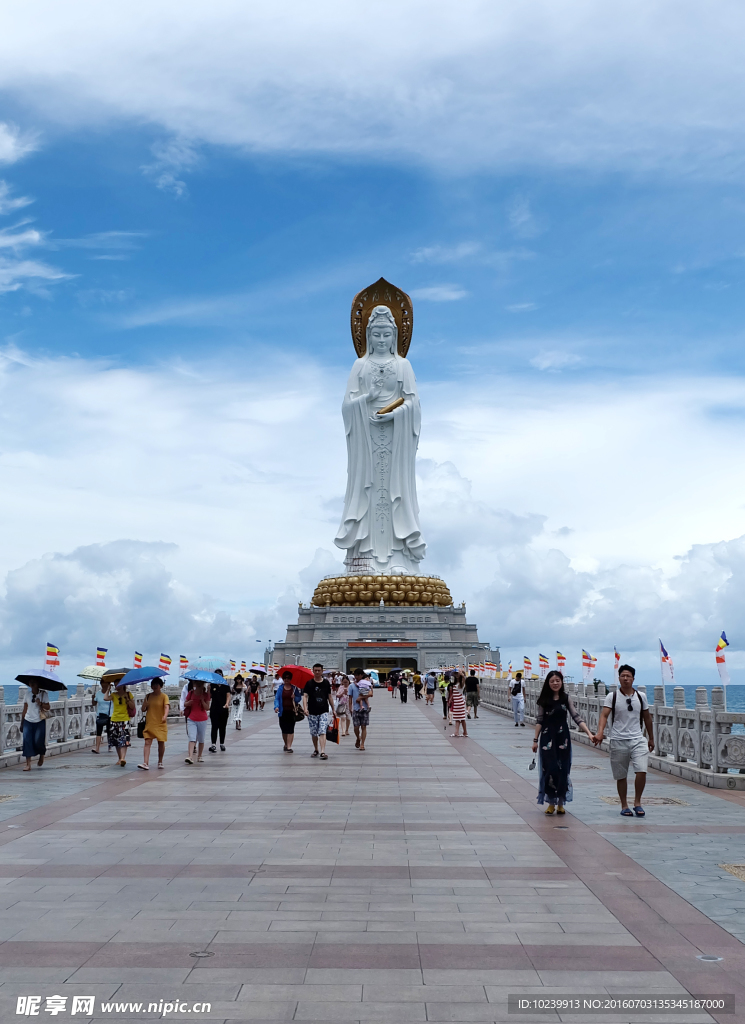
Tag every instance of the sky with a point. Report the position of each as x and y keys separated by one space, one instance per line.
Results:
x=191 y=196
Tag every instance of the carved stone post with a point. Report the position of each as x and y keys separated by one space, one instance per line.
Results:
x=2 y=719
x=718 y=703
x=702 y=703
x=679 y=701
x=659 y=701
x=65 y=713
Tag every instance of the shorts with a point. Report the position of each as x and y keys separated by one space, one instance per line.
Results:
x=287 y=723
x=197 y=731
x=625 y=753
x=472 y=700
x=361 y=717
x=318 y=724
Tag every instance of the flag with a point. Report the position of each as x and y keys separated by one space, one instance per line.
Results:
x=165 y=663
x=232 y=666
x=243 y=666
x=101 y=656
x=183 y=664
x=543 y=665
x=719 y=652
x=561 y=662
x=52 y=655
x=138 y=660
x=588 y=665
x=509 y=672
x=616 y=663
x=666 y=666
x=527 y=668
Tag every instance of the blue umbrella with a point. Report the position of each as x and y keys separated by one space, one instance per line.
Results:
x=141 y=675
x=209 y=662
x=198 y=675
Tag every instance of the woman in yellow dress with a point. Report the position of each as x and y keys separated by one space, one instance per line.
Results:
x=155 y=706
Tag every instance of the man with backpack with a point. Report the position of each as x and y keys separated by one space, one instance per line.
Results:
x=628 y=711
x=518 y=700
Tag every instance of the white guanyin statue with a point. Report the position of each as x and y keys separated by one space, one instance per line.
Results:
x=380 y=524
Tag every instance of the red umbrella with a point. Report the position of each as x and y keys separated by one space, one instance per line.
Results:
x=300 y=675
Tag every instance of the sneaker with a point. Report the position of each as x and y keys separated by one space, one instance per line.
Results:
x=516 y=724
x=550 y=809
x=200 y=760
x=213 y=750
x=560 y=809
x=188 y=760
x=222 y=746
x=522 y=724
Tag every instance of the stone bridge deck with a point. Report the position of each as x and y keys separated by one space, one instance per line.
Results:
x=416 y=881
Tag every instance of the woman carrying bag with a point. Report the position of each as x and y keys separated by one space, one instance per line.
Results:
x=554 y=742
x=123 y=708
x=288 y=706
x=34 y=725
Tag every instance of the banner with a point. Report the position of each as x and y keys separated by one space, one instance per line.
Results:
x=52 y=655
x=666 y=666
x=138 y=660
x=527 y=668
x=561 y=662
x=588 y=666
x=721 y=665
x=165 y=663
x=543 y=666
x=616 y=663
x=183 y=664
x=101 y=656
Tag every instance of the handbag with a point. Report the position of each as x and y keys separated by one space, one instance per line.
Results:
x=131 y=707
x=332 y=733
x=299 y=713
x=141 y=729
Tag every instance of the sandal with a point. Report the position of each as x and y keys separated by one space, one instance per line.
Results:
x=627 y=813
x=639 y=811
x=324 y=757
x=160 y=765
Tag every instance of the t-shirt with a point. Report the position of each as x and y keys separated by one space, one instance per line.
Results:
x=219 y=693
x=417 y=679
x=354 y=693
x=626 y=723
x=103 y=704
x=32 y=711
x=119 y=711
x=472 y=684
x=318 y=696
x=194 y=707
x=431 y=682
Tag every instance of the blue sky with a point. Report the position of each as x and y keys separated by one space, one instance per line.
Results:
x=193 y=194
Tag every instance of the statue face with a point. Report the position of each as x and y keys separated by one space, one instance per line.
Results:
x=381 y=339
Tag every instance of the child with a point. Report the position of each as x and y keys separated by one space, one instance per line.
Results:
x=365 y=687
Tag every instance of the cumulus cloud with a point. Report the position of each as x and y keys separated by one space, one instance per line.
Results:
x=645 y=84
x=440 y=293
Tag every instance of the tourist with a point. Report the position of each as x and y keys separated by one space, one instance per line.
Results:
x=317 y=706
x=123 y=708
x=287 y=701
x=342 y=706
x=34 y=725
x=403 y=689
x=473 y=694
x=360 y=714
x=263 y=691
x=103 y=716
x=219 y=712
x=457 y=707
x=628 y=710
x=442 y=684
x=553 y=740
x=518 y=700
x=393 y=684
x=417 y=686
x=430 y=685
x=253 y=693
x=238 y=701
x=155 y=708
x=196 y=712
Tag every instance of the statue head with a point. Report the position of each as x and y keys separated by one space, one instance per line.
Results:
x=382 y=332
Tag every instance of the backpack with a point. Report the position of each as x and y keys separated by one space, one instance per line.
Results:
x=613 y=709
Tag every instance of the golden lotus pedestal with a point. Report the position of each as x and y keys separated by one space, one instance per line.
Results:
x=383 y=622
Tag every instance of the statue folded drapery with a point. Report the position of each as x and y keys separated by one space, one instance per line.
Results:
x=380 y=522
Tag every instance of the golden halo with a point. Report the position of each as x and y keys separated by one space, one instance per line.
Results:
x=382 y=293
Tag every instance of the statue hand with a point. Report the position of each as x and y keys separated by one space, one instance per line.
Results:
x=384 y=417
x=374 y=393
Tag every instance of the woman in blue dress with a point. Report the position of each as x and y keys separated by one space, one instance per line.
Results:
x=553 y=742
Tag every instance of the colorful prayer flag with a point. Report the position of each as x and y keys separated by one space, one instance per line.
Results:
x=183 y=664
x=165 y=663
x=232 y=666
x=101 y=656
x=527 y=668
x=52 y=655
x=243 y=666
x=561 y=662
x=543 y=665
x=588 y=665
x=138 y=660
x=721 y=664
x=616 y=663
x=666 y=666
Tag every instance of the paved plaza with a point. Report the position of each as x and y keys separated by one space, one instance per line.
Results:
x=416 y=881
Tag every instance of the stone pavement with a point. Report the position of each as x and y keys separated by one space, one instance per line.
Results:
x=415 y=881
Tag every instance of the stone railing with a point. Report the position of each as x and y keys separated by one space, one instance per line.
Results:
x=71 y=722
x=694 y=743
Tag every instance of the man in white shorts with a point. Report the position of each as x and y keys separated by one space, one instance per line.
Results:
x=627 y=710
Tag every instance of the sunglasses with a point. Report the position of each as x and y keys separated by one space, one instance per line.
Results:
x=628 y=704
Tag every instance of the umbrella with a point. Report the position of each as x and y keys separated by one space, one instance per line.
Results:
x=198 y=675
x=141 y=675
x=257 y=671
x=92 y=672
x=300 y=675
x=44 y=677
x=209 y=662
x=113 y=675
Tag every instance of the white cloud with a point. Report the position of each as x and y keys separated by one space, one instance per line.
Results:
x=521 y=307
x=554 y=360
x=446 y=253
x=8 y=203
x=440 y=293
x=521 y=217
x=172 y=157
x=640 y=85
x=14 y=144
x=16 y=274
x=543 y=503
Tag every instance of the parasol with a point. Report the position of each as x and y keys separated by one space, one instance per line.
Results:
x=210 y=662
x=93 y=672
x=140 y=675
x=300 y=675
x=44 y=677
x=198 y=675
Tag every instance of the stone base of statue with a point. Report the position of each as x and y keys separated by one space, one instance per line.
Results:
x=415 y=626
